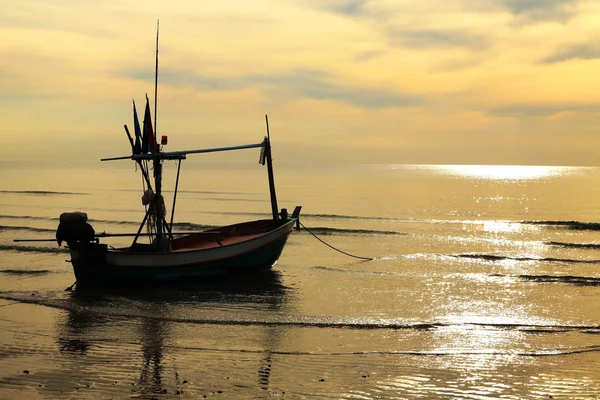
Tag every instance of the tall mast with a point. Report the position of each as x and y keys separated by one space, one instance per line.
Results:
x=156 y=79
x=157 y=159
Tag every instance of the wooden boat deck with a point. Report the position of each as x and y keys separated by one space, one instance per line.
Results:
x=216 y=241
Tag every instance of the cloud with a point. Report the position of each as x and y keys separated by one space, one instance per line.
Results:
x=457 y=64
x=317 y=85
x=437 y=38
x=425 y=25
x=541 y=110
x=384 y=10
x=182 y=78
x=59 y=16
x=582 y=51
x=351 y=8
x=312 y=84
x=368 y=55
x=539 y=9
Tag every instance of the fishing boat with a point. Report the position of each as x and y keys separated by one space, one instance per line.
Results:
x=245 y=247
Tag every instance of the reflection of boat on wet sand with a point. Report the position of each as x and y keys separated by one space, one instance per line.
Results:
x=139 y=336
x=264 y=287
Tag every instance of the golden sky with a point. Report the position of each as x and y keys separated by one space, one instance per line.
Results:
x=379 y=81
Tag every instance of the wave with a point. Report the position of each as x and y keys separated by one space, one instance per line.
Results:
x=344 y=231
x=546 y=352
x=329 y=216
x=29 y=217
x=32 y=249
x=298 y=320
x=189 y=191
x=422 y=353
x=24 y=228
x=355 y=217
x=355 y=271
x=240 y=199
x=56 y=219
x=491 y=257
x=25 y=271
x=190 y=226
x=574 y=225
x=263 y=215
x=41 y=192
x=341 y=216
x=180 y=225
x=575 y=245
x=426 y=353
x=573 y=280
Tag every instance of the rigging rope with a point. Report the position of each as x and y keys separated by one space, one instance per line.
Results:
x=327 y=244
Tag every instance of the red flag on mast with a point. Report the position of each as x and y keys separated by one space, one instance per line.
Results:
x=149 y=141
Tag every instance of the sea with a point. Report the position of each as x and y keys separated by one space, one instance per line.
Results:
x=403 y=282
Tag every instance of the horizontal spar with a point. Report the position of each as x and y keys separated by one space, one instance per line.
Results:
x=174 y=155
x=102 y=235
x=34 y=240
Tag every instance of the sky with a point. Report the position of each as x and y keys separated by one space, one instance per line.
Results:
x=342 y=81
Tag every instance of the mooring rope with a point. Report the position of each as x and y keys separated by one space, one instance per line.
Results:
x=327 y=244
x=10 y=304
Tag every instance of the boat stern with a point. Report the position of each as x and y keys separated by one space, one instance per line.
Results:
x=86 y=257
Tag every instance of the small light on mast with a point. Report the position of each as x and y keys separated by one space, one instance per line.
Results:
x=163 y=140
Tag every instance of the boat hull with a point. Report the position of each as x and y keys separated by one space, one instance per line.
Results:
x=95 y=264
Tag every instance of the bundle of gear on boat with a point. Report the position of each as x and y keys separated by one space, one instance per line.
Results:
x=74 y=228
x=76 y=231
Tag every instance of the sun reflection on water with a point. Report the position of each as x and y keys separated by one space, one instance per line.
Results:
x=501 y=226
x=502 y=172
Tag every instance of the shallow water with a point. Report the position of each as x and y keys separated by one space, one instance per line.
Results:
x=485 y=283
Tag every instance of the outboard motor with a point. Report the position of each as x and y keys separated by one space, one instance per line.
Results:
x=74 y=228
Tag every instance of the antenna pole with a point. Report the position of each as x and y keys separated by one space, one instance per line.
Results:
x=267 y=122
x=156 y=79
x=267 y=148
